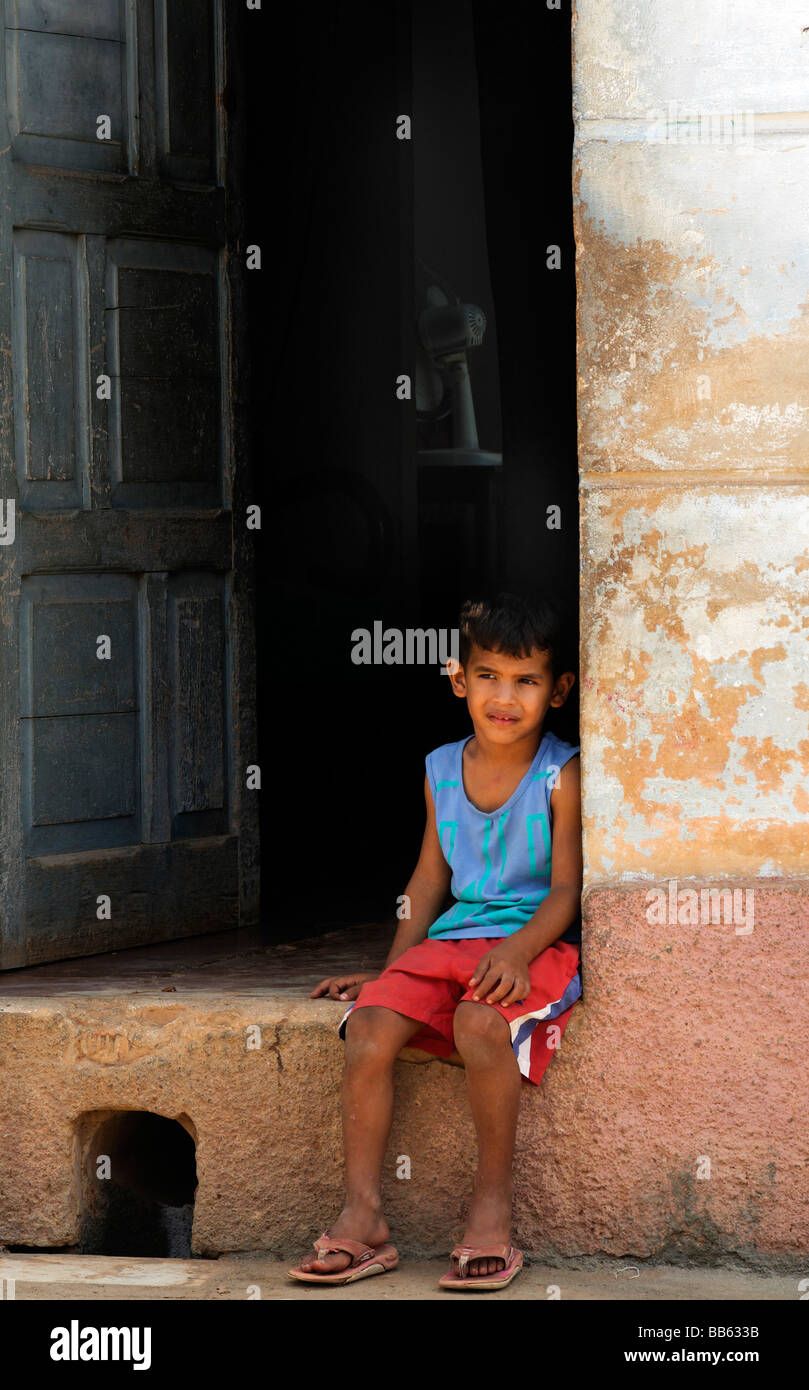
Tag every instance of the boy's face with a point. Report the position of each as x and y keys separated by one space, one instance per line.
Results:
x=508 y=697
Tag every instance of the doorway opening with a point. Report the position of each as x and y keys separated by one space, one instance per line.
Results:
x=138 y=1180
x=414 y=350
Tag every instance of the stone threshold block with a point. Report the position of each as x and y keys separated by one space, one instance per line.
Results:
x=671 y=1124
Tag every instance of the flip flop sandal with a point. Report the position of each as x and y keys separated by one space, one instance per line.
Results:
x=466 y=1282
x=365 y=1260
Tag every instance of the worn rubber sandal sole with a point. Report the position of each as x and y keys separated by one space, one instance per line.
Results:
x=386 y=1257
x=472 y=1282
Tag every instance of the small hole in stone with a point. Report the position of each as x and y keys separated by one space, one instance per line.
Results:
x=138 y=1182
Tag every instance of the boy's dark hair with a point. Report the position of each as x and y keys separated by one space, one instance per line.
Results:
x=515 y=624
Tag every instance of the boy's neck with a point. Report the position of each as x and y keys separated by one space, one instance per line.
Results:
x=504 y=755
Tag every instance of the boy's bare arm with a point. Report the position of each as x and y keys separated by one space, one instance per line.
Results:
x=426 y=888
x=423 y=898
x=501 y=977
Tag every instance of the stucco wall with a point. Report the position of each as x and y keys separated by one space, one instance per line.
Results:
x=690 y=183
x=691 y=178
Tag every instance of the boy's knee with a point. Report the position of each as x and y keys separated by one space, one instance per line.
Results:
x=367 y=1037
x=478 y=1026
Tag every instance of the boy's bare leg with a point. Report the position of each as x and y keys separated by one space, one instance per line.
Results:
x=483 y=1038
x=374 y=1038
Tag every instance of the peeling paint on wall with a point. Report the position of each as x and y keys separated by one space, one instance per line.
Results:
x=695 y=680
x=693 y=339
x=691 y=353
x=636 y=56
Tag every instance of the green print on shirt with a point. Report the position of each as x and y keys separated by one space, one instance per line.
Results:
x=475 y=891
x=478 y=891
x=529 y=828
x=451 y=826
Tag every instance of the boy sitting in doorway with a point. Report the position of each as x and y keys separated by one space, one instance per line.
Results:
x=497 y=975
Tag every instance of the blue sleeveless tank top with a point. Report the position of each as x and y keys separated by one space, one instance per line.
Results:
x=500 y=860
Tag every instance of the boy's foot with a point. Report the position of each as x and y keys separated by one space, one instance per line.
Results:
x=357 y=1223
x=512 y=1261
x=489 y=1223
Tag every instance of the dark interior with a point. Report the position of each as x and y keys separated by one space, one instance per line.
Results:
x=354 y=225
x=138 y=1182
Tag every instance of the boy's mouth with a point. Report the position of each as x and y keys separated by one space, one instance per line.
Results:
x=502 y=719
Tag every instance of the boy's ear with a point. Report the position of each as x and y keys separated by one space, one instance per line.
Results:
x=562 y=688
x=457 y=678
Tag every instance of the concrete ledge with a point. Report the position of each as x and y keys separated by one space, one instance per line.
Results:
x=256 y=1081
x=690 y=1044
x=233 y=1278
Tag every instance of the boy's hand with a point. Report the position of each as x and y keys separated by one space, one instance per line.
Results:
x=502 y=977
x=343 y=986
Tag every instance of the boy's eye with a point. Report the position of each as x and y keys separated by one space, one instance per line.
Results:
x=528 y=680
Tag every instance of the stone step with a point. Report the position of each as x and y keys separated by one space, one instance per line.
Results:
x=671 y=1124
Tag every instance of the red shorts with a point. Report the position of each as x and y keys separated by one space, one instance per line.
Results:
x=428 y=982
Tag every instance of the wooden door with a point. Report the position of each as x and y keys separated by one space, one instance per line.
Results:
x=126 y=649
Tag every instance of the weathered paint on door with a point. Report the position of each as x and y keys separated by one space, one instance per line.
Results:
x=123 y=814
